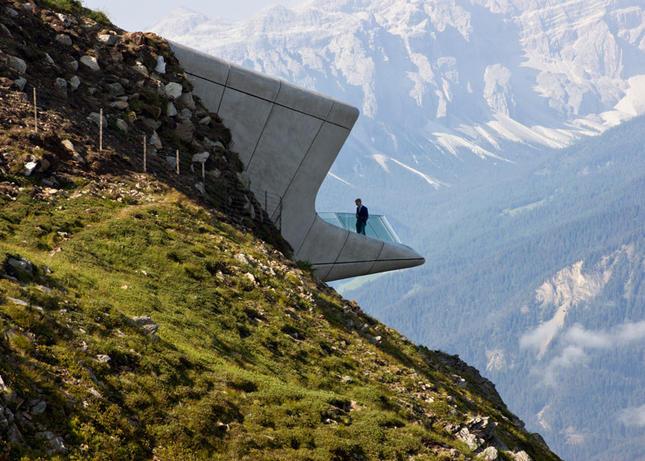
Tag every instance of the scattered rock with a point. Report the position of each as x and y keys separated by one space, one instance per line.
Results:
x=200 y=187
x=14 y=435
x=55 y=442
x=155 y=140
x=69 y=146
x=20 y=268
x=201 y=158
x=4 y=389
x=148 y=326
x=91 y=63
x=74 y=83
x=489 y=454
x=161 y=65
x=174 y=90
x=60 y=84
x=11 y=12
x=250 y=277
x=95 y=118
x=103 y=358
x=20 y=83
x=73 y=65
x=49 y=60
x=185 y=130
x=108 y=39
x=519 y=456
x=171 y=110
x=185 y=114
x=122 y=125
x=17 y=64
x=29 y=168
x=120 y=105
x=187 y=101
x=5 y=31
x=244 y=180
x=116 y=89
x=206 y=121
x=468 y=438
x=64 y=39
x=151 y=123
x=39 y=408
x=141 y=68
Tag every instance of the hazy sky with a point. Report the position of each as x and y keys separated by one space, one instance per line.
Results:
x=141 y=14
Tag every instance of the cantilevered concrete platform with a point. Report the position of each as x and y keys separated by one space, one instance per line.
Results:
x=288 y=138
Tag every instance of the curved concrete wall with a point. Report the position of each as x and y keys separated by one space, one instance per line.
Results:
x=288 y=138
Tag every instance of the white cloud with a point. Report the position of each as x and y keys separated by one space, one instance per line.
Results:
x=633 y=416
x=577 y=342
x=571 y=356
x=627 y=333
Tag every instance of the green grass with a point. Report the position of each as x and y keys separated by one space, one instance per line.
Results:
x=76 y=7
x=241 y=369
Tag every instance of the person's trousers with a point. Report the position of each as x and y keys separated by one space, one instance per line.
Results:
x=360 y=227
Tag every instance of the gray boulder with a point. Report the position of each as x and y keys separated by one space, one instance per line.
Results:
x=60 y=84
x=122 y=125
x=187 y=101
x=95 y=118
x=174 y=90
x=17 y=64
x=20 y=83
x=108 y=39
x=20 y=268
x=161 y=65
x=146 y=323
x=74 y=83
x=91 y=63
x=64 y=39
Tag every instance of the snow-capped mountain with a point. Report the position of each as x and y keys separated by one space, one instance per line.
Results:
x=445 y=79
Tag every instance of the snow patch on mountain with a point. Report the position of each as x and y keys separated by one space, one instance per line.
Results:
x=471 y=77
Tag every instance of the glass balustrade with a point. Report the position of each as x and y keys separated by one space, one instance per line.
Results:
x=378 y=227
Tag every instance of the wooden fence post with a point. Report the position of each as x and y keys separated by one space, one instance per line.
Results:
x=35 y=110
x=101 y=130
x=145 y=154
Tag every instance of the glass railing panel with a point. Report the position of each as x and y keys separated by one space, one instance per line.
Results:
x=377 y=227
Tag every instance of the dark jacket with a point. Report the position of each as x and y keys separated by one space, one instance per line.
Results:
x=362 y=214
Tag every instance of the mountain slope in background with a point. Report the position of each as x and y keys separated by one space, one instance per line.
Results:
x=443 y=83
x=539 y=280
x=534 y=255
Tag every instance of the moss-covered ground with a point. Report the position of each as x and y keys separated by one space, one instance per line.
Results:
x=252 y=359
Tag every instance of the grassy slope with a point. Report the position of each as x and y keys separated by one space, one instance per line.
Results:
x=279 y=368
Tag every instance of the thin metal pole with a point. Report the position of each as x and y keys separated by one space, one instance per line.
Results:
x=204 y=171
x=145 y=154
x=35 y=110
x=177 y=161
x=101 y=130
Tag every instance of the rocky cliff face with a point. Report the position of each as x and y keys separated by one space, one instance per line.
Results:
x=153 y=315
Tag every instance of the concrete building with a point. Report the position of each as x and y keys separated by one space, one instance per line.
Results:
x=288 y=138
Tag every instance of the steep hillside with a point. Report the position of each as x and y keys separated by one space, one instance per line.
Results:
x=155 y=315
